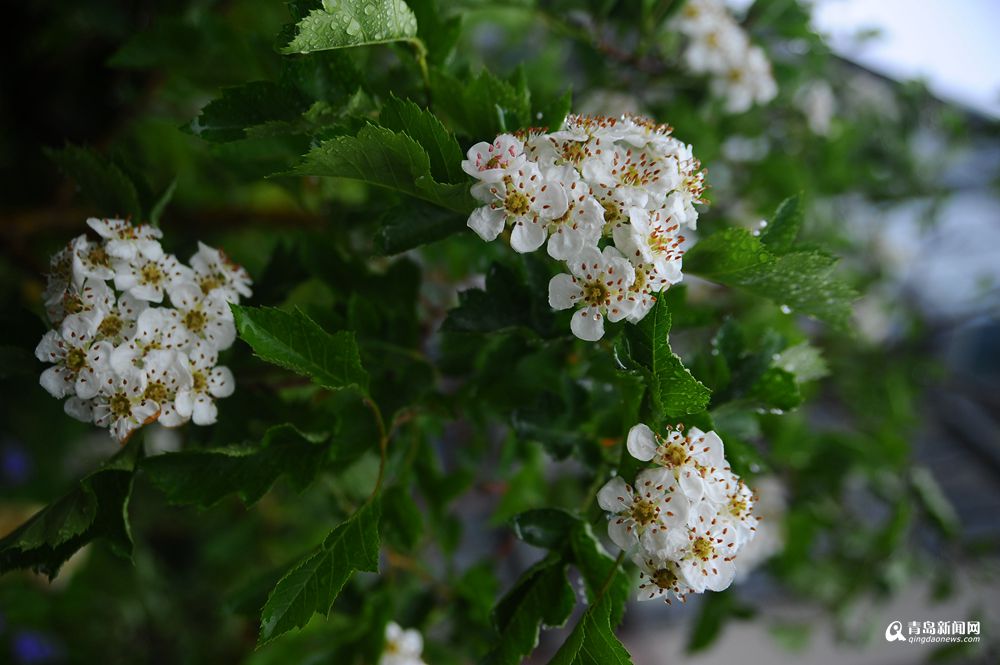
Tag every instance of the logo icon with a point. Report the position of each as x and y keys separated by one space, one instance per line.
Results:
x=894 y=632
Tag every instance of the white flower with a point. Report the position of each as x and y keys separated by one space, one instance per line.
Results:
x=125 y=241
x=58 y=280
x=147 y=279
x=121 y=405
x=694 y=458
x=652 y=238
x=150 y=334
x=598 y=285
x=659 y=578
x=90 y=260
x=582 y=223
x=637 y=174
x=208 y=382
x=119 y=321
x=80 y=364
x=737 y=508
x=402 y=646
x=490 y=162
x=214 y=272
x=644 y=516
x=642 y=294
x=166 y=374
x=524 y=200
x=769 y=538
x=200 y=317
x=747 y=81
x=705 y=551
x=817 y=101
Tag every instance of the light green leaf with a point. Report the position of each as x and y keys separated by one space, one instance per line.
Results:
x=801 y=280
x=345 y=23
x=312 y=585
x=204 y=476
x=542 y=596
x=592 y=641
x=97 y=508
x=294 y=341
x=804 y=361
x=783 y=228
x=675 y=391
x=382 y=157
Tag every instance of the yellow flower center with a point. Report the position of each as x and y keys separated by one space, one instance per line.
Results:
x=195 y=320
x=199 y=381
x=516 y=203
x=644 y=512
x=674 y=455
x=151 y=274
x=157 y=392
x=664 y=578
x=595 y=293
x=702 y=548
x=76 y=359
x=120 y=405
x=111 y=326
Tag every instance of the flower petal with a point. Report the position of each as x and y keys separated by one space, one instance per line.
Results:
x=641 y=443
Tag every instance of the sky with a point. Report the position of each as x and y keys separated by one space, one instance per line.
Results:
x=953 y=44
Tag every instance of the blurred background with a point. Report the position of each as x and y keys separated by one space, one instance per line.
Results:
x=883 y=493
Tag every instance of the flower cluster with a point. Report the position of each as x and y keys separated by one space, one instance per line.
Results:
x=609 y=196
x=718 y=47
x=402 y=646
x=122 y=360
x=685 y=519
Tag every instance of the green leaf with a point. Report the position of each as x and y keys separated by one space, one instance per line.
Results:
x=385 y=158
x=800 y=280
x=101 y=181
x=407 y=226
x=716 y=610
x=556 y=111
x=483 y=106
x=97 y=508
x=783 y=228
x=505 y=303
x=205 y=476
x=549 y=528
x=294 y=341
x=804 y=361
x=437 y=33
x=345 y=23
x=228 y=117
x=402 y=522
x=312 y=585
x=542 y=596
x=777 y=389
x=592 y=641
x=161 y=203
x=443 y=151
x=675 y=391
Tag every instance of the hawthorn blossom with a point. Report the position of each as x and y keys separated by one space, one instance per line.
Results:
x=694 y=458
x=216 y=273
x=402 y=646
x=80 y=365
x=120 y=360
x=652 y=238
x=705 y=552
x=659 y=578
x=490 y=162
x=598 y=286
x=208 y=382
x=645 y=514
x=522 y=200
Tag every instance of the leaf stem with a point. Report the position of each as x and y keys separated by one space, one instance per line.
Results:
x=383 y=441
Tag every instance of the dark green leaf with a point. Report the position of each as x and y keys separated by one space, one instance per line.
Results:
x=505 y=303
x=407 y=226
x=402 y=522
x=382 y=157
x=204 y=476
x=294 y=341
x=542 y=596
x=545 y=527
x=592 y=641
x=345 y=23
x=312 y=585
x=777 y=389
x=97 y=508
x=101 y=182
x=227 y=117
x=483 y=106
x=404 y=116
x=555 y=113
x=438 y=33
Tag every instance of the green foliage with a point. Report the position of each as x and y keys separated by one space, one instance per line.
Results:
x=647 y=345
x=345 y=23
x=204 y=476
x=542 y=596
x=312 y=585
x=801 y=280
x=389 y=159
x=483 y=106
x=97 y=508
x=294 y=341
x=507 y=302
x=592 y=642
x=102 y=182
